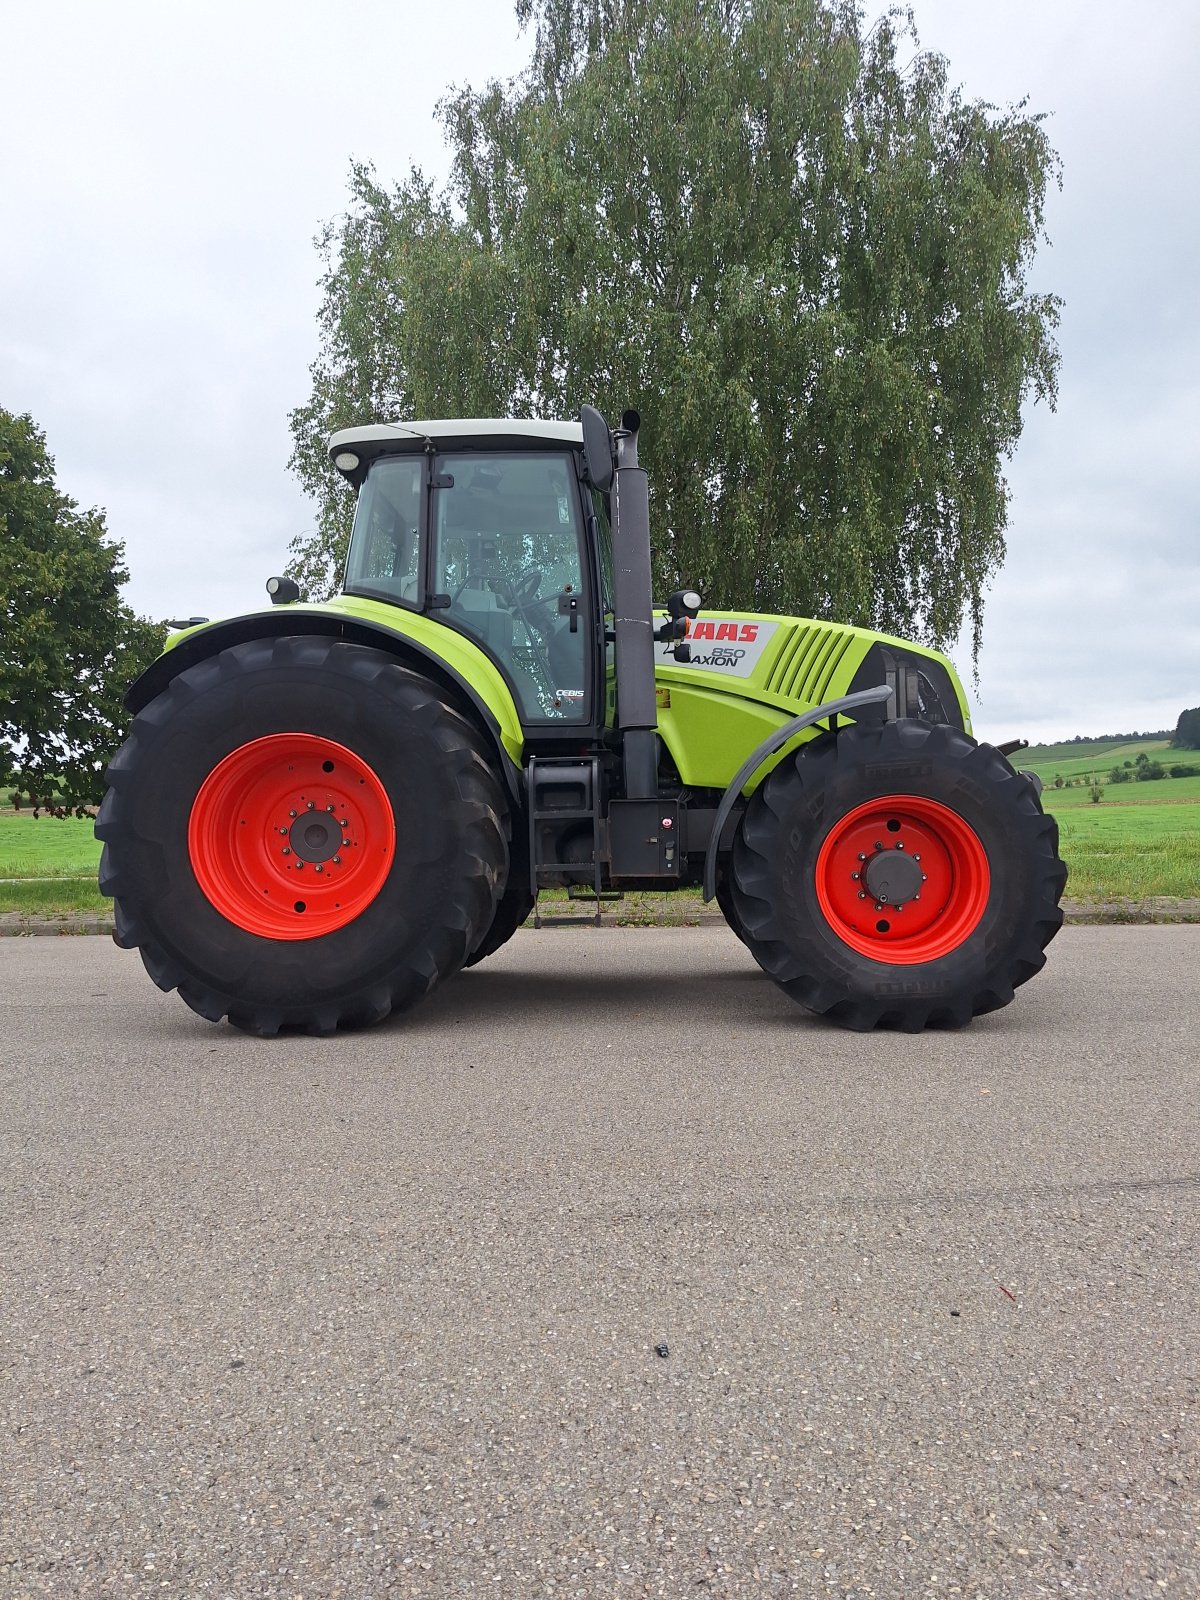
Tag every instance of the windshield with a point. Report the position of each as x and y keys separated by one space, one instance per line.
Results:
x=385 y=545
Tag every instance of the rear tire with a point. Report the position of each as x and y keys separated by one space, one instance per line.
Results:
x=517 y=900
x=302 y=747
x=898 y=875
x=512 y=912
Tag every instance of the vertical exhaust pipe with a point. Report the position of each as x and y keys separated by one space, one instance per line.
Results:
x=633 y=623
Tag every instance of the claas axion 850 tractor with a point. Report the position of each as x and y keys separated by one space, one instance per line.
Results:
x=322 y=811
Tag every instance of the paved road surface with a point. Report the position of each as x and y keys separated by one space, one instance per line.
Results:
x=377 y=1316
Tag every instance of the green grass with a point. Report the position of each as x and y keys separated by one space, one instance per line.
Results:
x=1131 y=852
x=50 y=897
x=62 y=858
x=1132 y=803
x=47 y=847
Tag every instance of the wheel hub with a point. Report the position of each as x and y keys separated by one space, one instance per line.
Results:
x=891 y=877
x=315 y=837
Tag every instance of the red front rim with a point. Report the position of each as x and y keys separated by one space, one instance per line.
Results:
x=291 y=836
x=902 y=879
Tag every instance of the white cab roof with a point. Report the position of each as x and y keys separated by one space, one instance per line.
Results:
x=481 y=431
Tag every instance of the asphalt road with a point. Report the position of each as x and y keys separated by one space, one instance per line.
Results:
x=377 y=1316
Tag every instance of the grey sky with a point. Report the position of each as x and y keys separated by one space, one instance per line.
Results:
x=167 y=167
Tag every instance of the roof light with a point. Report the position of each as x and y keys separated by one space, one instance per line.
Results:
x=345 y=461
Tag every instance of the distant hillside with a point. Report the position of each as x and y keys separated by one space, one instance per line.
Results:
x=1094 y=744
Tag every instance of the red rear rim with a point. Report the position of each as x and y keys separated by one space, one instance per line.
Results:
x=902 y=879
x=291 y=836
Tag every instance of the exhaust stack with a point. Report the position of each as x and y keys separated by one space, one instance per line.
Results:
x=633 y=623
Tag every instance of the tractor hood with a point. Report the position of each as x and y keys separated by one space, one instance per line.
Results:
x=750 y=672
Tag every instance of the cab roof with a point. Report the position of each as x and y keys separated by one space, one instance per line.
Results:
x=483 y=433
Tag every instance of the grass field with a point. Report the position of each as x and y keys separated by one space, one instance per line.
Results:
x=1073 y=761
x=1099 y=753
x=1117 y=796
x=59 y=857
x=1130 y=852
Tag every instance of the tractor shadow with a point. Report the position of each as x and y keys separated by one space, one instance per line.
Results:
x=568 y=998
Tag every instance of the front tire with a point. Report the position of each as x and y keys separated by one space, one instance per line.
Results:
x=898 y=875
x=301 y=833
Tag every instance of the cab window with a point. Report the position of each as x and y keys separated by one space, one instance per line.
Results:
x=507 y=556
x=385 y=544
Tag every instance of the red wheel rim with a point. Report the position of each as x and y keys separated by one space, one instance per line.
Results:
x=291 y=836
x=902 y=879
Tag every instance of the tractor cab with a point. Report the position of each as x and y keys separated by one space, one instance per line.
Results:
x=492 y=530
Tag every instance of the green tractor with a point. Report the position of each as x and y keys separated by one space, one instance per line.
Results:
x=322 y=811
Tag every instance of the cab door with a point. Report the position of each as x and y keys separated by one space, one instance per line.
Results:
x=508 y=566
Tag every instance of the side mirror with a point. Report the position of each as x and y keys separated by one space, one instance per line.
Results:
x=597 y=448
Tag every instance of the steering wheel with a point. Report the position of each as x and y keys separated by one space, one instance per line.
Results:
x=525 y=588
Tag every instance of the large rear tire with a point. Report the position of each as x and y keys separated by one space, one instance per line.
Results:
x=302 y=833
x=898 y=875
x=512 y=912
x=517 y=900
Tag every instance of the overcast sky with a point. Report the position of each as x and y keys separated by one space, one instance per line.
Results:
x=166 y=167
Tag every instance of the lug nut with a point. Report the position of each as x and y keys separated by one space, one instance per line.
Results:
x=312 y=805
x=299 y=865
x=861 y=895
x=284 y=832
x=318 y=867
x=293 y=813
x=916 y=857
x=286 y=850
x=856 y=876
x=337 y=861
x=331 y=809
x=899 y=844
x=924 y=878
x=879 y=844
x=344 y=822
x=861 y=857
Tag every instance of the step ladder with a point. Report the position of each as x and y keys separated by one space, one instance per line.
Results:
x=565 y=789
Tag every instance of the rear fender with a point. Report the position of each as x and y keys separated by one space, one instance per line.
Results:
x=498 y=720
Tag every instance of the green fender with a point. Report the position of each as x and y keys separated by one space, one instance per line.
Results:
x=440 y=652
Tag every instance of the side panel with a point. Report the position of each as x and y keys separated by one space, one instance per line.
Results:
x=709 y=732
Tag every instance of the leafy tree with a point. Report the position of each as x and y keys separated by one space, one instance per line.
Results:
x=1187 y=731
x=69 y=644
x=799 y=253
